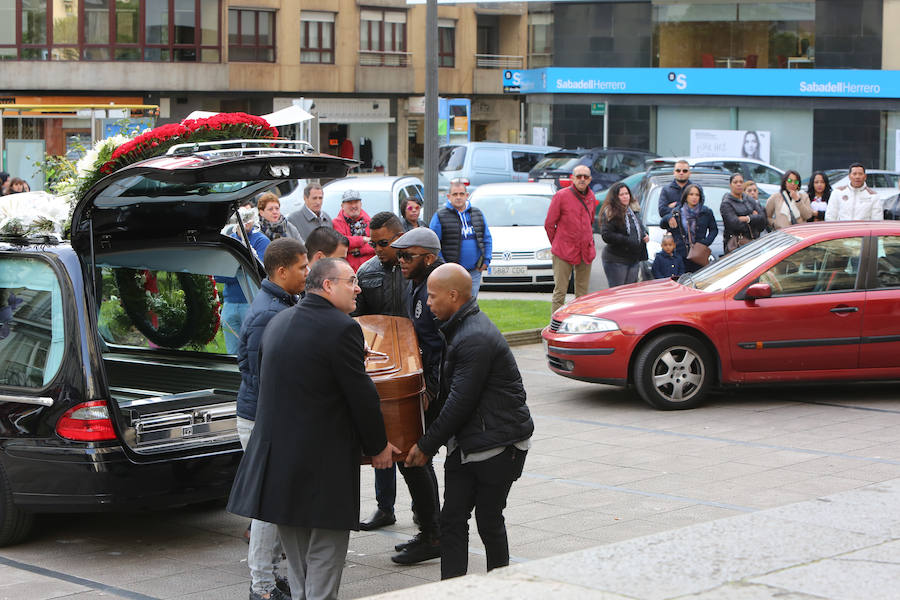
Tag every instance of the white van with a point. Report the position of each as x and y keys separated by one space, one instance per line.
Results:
x=487 y=162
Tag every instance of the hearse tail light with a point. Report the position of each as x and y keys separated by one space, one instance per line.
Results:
x=586 y=324
x=86 y=422
x=564 y=182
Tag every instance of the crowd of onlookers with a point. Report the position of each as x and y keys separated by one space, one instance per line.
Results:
x=691 y=227
x=12 y=185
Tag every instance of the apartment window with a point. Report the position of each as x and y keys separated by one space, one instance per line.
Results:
x=382 y=30
x=540 y=40
x=150 y=30
x=251 y=35
x=316 y=37
x=446 y=43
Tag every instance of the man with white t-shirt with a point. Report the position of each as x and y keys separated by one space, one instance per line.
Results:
x=855 y=202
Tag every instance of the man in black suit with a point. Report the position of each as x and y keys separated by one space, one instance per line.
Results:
x=318 y=412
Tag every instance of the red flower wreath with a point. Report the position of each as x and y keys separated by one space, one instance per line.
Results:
x=223 y=126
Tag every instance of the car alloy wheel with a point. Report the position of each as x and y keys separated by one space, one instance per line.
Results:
x=673 y=371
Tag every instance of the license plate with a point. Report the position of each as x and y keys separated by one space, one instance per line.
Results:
x=517 y=270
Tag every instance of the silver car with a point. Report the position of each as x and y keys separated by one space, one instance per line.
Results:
x=515 y=214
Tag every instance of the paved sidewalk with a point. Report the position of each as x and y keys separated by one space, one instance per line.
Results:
x=841 y=547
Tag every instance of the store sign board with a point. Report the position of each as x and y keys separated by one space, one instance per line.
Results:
x=813 y=83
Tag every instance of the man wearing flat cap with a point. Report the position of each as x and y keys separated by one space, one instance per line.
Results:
x=417 y=252
x=353 y=222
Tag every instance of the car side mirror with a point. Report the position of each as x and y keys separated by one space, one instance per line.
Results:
x=758 y=290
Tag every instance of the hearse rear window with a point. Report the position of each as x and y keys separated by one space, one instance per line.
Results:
x=174 y=298
x=31 y=322
x=131 y=190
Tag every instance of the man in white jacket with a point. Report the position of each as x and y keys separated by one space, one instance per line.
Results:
x=855 y=202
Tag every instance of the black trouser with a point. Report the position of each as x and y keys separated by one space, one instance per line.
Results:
x=422 y=484
x=483 y=486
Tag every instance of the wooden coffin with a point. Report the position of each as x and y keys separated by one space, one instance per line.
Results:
x=395 y=365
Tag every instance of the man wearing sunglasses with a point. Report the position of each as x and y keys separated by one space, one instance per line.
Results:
x=670 y=195
x=384 y=292
x=569 y=228
x=417 y=252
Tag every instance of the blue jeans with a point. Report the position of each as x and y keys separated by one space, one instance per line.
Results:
x=264 y=552
x=476 y=281
x=620 y=273
x=232 y=317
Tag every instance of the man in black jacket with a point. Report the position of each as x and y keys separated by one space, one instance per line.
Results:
x=670 y=196
x=483 y=420
x=384 y=292
x=318 y=412
x=417 y=251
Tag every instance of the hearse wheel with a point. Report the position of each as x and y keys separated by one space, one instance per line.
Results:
x=14 y=522
x=673 y=372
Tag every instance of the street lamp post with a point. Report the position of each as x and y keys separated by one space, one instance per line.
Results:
x=431 y=108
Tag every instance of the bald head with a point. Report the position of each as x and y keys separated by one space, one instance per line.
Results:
x=449 y=287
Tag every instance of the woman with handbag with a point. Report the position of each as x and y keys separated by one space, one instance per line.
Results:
x=790 y=206
x=693 y=227
x=744 y=218
x=624 y=235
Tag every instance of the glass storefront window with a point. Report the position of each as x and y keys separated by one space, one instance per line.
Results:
x=734 y=35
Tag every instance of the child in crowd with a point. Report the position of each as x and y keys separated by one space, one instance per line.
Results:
x=667 y=263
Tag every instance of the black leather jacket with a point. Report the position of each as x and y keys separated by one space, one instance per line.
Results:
x=384 y=292
x=481 y=393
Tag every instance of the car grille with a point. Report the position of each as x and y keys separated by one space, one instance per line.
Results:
x=512 y=255
x=555 y=325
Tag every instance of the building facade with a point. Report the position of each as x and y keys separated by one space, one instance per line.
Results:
x=359 y=65
x=760 y=43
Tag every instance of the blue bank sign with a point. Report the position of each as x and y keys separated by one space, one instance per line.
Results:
x=836 y=83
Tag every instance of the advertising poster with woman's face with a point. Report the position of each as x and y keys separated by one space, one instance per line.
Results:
x=746 y=143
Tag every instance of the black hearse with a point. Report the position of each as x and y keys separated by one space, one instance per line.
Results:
x=109 y=399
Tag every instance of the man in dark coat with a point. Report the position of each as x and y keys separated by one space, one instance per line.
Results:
x=318 y=412
x=484 y=422
x=286 y=267
x=670 y=196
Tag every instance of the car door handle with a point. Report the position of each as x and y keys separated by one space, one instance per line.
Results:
x=844 y=309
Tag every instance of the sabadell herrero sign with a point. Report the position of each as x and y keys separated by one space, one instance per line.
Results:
x=837 y=83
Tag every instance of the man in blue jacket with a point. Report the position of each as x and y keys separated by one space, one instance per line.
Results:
x=463 y=233
x=670 y=195
x=286 y=267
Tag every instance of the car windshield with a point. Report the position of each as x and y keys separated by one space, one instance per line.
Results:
x=733 y=267
x=451 y=158
x=518 y=210
x=558 y=163
x=712 y=199
x=373 y=201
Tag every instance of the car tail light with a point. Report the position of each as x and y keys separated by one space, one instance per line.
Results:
x=564 y=182
x=531 y=180
x=87 y=422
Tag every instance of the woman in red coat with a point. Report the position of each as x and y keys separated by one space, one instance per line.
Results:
x=353 y=222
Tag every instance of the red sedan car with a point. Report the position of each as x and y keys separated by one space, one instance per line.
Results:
x=814 y=302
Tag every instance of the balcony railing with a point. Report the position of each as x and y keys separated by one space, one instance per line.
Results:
x=498 y=61
x=375 y=58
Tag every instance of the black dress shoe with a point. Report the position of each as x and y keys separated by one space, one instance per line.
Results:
x=419 y=549
x=378 y=519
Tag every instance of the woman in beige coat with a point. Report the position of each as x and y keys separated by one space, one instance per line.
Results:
x=790 y=206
